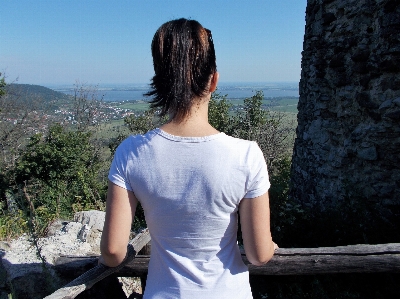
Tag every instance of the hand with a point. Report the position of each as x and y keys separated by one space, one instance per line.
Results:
x=275 y=246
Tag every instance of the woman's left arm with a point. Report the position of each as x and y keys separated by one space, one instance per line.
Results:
x=120 y=212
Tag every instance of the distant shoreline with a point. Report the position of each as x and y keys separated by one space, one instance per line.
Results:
x=131 y=92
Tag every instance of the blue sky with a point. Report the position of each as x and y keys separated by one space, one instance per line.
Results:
x=100 y=42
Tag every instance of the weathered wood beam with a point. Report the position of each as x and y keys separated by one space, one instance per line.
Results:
x=286 y=261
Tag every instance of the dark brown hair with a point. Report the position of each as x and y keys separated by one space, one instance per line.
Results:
x=184 y=59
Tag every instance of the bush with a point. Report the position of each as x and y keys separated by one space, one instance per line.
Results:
x=57 y=175
x=12 y=224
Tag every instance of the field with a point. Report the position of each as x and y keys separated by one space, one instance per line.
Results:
x=284 y=104
x=132 y=105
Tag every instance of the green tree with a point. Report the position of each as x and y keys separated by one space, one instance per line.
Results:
x=60 y=172
x=253 y=116
x=143 y=122
x=2 y=86
x=86 y=106
x=219 y=113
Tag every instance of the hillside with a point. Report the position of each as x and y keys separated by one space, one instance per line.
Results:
x=28 y=93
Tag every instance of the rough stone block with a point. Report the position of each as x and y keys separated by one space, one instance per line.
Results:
x=94 y=219
x=386 y=104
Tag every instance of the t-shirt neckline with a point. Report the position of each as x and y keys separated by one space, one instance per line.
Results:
x=187 y=139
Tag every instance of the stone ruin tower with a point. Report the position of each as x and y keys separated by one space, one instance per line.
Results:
x=348 y=134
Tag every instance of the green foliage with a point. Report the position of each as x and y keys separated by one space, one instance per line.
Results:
x=218 y=112
x=12 y=224
x=252 y=117
x=2 y=86
x=144 y=122
x=61 y=172
x=86 y=107
x=284 y=212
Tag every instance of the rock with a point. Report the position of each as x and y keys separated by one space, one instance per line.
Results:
x=93 y=222
x=349 y=97
x=394 y=114
x=72 y=229
x=4 y=246
x=31 y=277
x=94 y=219
x=368 y=153
x=55 y=226
x=84 y=232
x=386 y=104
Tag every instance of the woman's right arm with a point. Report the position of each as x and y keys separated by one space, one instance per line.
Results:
x=256 y=232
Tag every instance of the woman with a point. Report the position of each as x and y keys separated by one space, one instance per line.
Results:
x=190 y=180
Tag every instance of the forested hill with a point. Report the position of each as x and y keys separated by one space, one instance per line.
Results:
x=28 y=93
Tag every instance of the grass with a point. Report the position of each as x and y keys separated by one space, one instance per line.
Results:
x=282 y=104
x=132 y=105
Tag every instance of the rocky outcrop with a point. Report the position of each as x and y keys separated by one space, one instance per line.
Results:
x=26 y=275
x=348 y=135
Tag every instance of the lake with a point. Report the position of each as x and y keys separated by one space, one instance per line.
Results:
x=119 y=93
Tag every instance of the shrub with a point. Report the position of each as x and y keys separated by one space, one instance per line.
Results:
x=58 y=175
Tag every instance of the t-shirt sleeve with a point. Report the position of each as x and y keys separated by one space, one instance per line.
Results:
x=258 y=183
x=118 y=171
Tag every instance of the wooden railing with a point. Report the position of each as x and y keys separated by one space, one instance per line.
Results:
x=286 y=261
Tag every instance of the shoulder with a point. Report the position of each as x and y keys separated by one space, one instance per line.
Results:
x=242 y=145
x=134 y=143
x=139 y=139
x=244 y=152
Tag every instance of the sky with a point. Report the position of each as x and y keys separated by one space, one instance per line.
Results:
x=50 y=42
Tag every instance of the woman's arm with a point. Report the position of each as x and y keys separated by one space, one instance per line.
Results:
x=256 y=232
x=120 y=212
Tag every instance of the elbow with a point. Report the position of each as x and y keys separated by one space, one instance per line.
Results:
x=259 y=260
x=112 y=256
x=260 y=257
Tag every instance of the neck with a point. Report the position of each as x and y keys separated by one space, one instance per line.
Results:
x=195 y=124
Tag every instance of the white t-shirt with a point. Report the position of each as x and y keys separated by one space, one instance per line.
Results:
x=190 y=189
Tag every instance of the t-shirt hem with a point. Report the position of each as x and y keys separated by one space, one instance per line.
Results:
x=257 y=193
x=120 y=184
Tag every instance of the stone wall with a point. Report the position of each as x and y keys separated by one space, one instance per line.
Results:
x=348 y=135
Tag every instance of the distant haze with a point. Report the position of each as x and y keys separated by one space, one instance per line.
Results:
x=127 y=92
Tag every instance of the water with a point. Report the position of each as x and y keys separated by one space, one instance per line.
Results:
x=270 y=90
x=119 y=93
